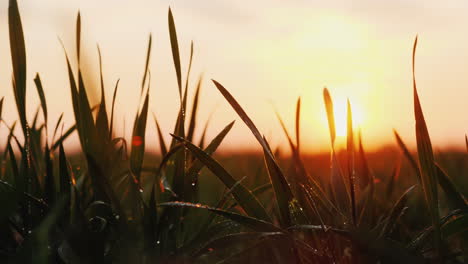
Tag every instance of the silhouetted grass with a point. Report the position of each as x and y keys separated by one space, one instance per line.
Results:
x=114 y=203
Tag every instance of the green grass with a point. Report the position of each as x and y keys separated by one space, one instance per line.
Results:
x=114 y=203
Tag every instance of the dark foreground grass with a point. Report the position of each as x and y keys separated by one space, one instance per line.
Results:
x=111 y=203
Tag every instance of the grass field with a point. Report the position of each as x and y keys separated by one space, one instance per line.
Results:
x=114 y=203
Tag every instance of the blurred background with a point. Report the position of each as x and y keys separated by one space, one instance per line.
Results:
x=267 y=54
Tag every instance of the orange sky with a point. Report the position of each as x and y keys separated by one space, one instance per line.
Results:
x=267 y=53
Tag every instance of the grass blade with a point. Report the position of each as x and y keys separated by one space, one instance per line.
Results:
x=330 y=115
x=195 y=168
x=187 y=78
x=148 y=56
x=64 y=176
x=49 y=185
x=244 y=197
x=247 y=221
x=298 y=124
x=40 y=92
x=162 y=144
x=111 y=127
x=138 y=140
x=67 y=133
x=455 y=198
x=59 y=121
x=351 y=172
x=18 y=58
x=78 y=37
x=407 y=154
x=193 y=114
x=286 y=133
x=175 y=50
x=1 y=108
x=426 y=162
x=466 y=142
x=281 y=187
x=396 y=212
x=102 y=120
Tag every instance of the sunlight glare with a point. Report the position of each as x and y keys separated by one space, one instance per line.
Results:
x=340 y=111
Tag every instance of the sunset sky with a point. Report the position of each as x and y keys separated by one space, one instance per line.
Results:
x=266 y=53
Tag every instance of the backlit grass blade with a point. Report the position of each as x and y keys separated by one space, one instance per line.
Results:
x=36 y=116
x=396 y=212
x=195 y=168
x=367 y=184
x=150 y=221
x=393 y=180
x=300 y=176
x=1 y=108
x=423 y=237
x=351 y=172
x=187 y=78
x=138 y=140
x=111 y=126
x=175 y=50
x=466 y=142
x=49 y=185
x=201 y=143
x=18 y=58
x=366 y=176
x=298 y=124
x=162 y=144
x=62 y=138
x=281 y=187
x=148 y=56
x=286 y=133
x=75 y=104
x=64 y=175
x=253 y=223
x=193 y=113
x=330 y=115
x=337 y=177
x=166 y=158
x=251 y=242
x=59 y=121
x=78 y=37
x=455 y=198
x=102 y=120
x=426 y=162
x=243 y=196
x=89 y=129
x=457 y=225
x=406 y=152
x=18 y=182
x=40 y=92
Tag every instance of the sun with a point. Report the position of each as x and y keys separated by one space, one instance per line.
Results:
x=340 y=111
